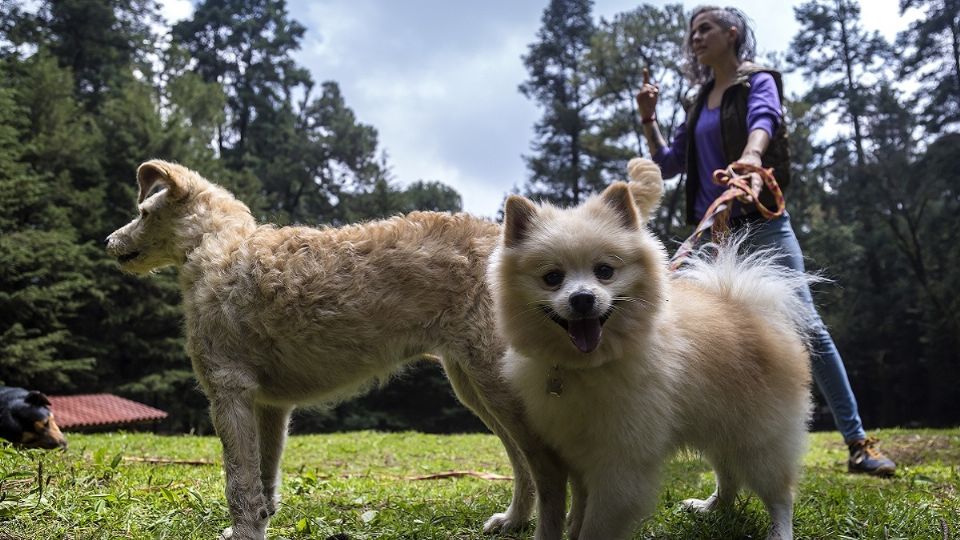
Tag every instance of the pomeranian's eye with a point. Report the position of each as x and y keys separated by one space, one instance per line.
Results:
x=553 y=279
x=603 y=271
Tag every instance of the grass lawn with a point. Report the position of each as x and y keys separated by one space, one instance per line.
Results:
x=358 y=486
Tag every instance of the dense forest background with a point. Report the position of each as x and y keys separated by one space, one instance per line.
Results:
x=89 y=89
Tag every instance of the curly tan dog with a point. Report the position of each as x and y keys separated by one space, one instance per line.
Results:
x=278 y=317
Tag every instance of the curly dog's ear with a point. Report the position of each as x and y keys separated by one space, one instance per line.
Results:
x=646 y=185
x=158 y=171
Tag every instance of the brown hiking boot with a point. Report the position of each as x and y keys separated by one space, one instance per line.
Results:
x=865 y=458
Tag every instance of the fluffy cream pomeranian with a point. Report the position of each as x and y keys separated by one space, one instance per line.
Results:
x=620 y=363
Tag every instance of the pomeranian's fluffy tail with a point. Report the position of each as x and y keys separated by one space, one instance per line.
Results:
x=756 y=281
x=646 y=186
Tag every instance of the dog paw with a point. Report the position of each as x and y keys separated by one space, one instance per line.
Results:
x=699 y=506
x=241 y=532
x=273 y=505
x=503 y=522
x=780 y=533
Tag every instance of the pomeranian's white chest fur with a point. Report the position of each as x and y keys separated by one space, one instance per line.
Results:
x=621 y=406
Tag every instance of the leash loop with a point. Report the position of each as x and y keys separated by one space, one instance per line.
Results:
x=737 y=178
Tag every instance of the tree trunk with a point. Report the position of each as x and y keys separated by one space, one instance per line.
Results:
x=853 y=95
x=955 y=42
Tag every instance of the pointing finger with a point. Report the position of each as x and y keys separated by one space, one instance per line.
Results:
x=646 y=76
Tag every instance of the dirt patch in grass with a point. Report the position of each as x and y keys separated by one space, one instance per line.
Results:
x=914 y=449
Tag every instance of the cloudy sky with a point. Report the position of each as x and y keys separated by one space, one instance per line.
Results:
x=438 y=78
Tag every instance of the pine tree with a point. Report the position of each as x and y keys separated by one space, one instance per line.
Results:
x=246 y=47
x=309 y=160
x=102 y=43
x=930 y=51
x=841 y=59
x=45 y=278
x=646 y=38
x=565 y=166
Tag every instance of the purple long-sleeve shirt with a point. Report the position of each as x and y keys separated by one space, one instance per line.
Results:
x=763 y=112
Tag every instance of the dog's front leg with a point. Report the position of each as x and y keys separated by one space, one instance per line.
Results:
x=617 y=500
x=233 y=416
x=550 y=477
x=548 y=471
x=578 y=505
x=272 y=424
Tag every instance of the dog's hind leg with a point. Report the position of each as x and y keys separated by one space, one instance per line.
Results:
x=521 y=504
x=773 y=483
x=779 y=503
x=272 y=424
x=773 y=477
x=234 y=418
x=722 y=497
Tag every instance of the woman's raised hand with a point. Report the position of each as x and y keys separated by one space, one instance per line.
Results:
x=647 y=97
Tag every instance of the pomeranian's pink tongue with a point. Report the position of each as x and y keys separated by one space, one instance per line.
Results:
x=585 y=333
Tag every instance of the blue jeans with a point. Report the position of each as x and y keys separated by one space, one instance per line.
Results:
x=828 y=369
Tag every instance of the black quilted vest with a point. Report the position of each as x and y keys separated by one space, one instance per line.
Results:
x=733 y=130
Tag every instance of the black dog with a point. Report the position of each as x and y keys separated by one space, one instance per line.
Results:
x=26 y=420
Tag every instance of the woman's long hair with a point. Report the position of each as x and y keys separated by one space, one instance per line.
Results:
x=725 y=17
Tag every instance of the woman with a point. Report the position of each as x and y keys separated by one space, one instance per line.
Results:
x=737 y=117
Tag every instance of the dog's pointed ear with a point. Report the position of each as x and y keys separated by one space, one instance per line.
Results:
x=37 y=399
x=618 y=197
x=151 y=172
x=518 y=216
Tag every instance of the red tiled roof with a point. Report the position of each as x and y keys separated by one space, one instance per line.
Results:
x=100 y=410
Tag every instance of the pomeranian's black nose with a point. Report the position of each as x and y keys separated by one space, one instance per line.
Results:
x=582 y=302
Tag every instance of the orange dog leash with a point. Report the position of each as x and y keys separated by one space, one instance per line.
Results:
x=737 y=179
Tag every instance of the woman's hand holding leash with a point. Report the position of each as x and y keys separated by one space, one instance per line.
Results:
x=748 y=161
x=717 y=216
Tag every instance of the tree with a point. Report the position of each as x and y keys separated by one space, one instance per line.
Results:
x=102 y=43
x=646 y=38
x=931 y=52
x=18 y=27
x=841 y=59
x=309 y=160
x=385 y=199
x=433 y=196
x=568 y=162
x=62 y=142
x=246 y=47
x=845 y=63
x=79 y=112
x=45 y=278
x=306 y=154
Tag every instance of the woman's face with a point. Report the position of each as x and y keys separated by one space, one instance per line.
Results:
x=710 y=42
